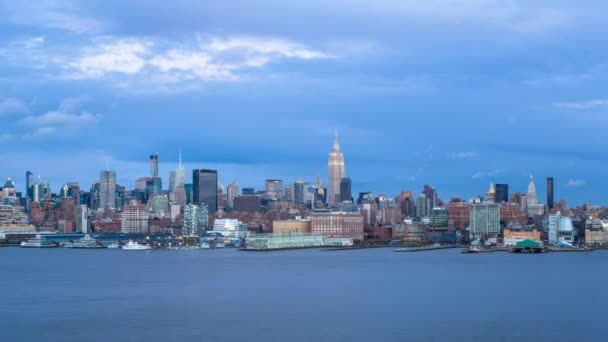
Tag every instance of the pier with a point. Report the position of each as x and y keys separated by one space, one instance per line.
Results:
x=425 y=248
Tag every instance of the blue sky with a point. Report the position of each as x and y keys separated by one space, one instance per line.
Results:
x=450 y=93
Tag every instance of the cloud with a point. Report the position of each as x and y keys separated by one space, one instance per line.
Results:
x=463 y=155
x=12 y=106
x=486 y=174
x=65 y=121
x=61 y=15
x=263 y=46
x=576 y=183
x=217 y=58
x=583 y=105
x=122 y=56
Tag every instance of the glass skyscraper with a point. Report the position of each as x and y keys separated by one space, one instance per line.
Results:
x=204 y=188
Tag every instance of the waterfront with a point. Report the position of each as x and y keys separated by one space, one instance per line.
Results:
x=300 y=295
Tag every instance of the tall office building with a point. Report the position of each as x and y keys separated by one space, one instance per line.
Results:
x=531 y=195
x=81 y=219
x=153 y=165
x=29 y=181
x=134 y=218
x=274 y=189
x=107 y=189
x=502 y=193
x=550 y=192
x=204 y=188
x=231 y=193
x=533 y=207
x=346 y=189
x=431 y=196
x=299 y=194
x=335 y=172
x=177 y=179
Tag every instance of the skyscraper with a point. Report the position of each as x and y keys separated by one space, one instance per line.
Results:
x=346 y=189
x=177 y=179
x=531 y=195
x=335 y=170
x=502 y=193
x=274 y=188
x=204 y=188
x=231 y=193
x=29 y=181
x=431 y=196
x=107 y=189
x=299 y=196
x=153 y=165
x=550 y=192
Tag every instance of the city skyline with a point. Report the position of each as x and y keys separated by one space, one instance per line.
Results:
x=438 y=101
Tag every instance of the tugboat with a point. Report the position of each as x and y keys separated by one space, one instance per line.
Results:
x=134 y=246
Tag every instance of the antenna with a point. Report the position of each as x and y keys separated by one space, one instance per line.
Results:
x=180 y=156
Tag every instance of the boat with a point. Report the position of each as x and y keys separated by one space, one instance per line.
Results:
x=477 y=249
x=38 y=242
x=113 y=245
x=205 y=245
x=86 y=242
x=219 y=245
x=134 y=246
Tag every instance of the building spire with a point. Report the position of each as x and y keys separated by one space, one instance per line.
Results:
x=180 y=156
x=336 y=144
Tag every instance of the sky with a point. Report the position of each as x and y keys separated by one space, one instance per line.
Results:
x=451 y=93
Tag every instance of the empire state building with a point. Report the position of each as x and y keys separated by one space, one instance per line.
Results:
x=335 y=170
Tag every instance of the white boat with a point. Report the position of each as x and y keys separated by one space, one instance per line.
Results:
x=205 y=245
x=220 y=245
x=113 y=245
x=134 y=246
x=38 y=242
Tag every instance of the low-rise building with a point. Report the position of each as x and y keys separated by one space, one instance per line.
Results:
x=513 y=236
x=298 y=226
x=338 y=224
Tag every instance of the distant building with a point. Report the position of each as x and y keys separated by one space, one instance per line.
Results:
x=459 y=215
x=153 y=165
x=160 y=205
x=205 y=188
x=513 y=236
x=490 y=196
x=231 y=193
x=335 y=170
x=345 y=189
x=561 y=229
x=439 y=218
x=81 y=219
x=274 y=189
x=248 y=203
x=196 y=219
x=248 y=191
x=177 y=179
x=231 y=229
x=431 y=195
x=422 y=206
x=533 y=207
x=485 y=220
x=297 y=226
x=107 y=189
x=134 y=218
x=299 y=192
x=550 y=192
x=337 y=224
x=13 y=217
x=502 y=193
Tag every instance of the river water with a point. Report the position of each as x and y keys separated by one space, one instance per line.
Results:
x=301 y=295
